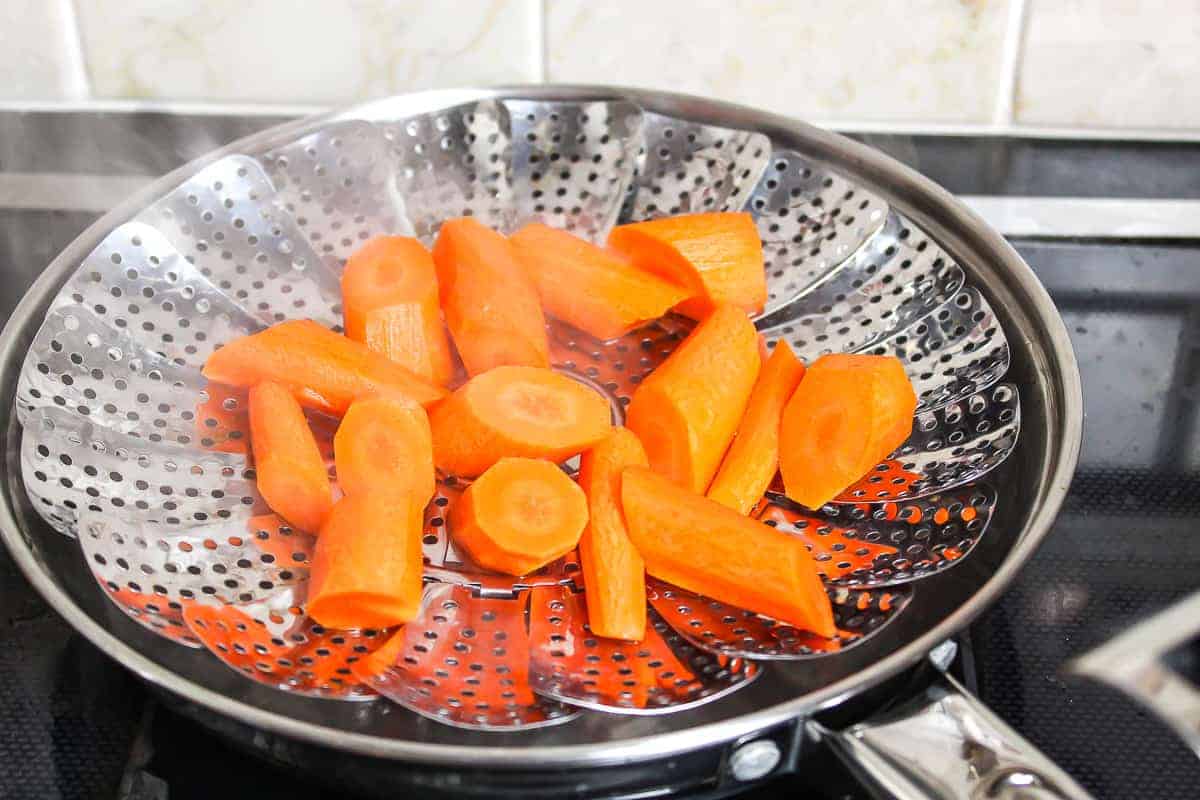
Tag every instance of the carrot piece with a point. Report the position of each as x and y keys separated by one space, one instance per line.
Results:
x=848 y=414
x=384 y=444
x=753 y=458
x=491 y=307
x=390 y=304
x=593 y=289
x=613 y=572
x=717 y=256
x=701 y=545
x=516 y=411
x=366 y=567
x=519 y=516
x=325 y=371
x=291 y=473
x=687 y=410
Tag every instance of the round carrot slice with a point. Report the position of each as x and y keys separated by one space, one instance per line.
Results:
x=520 y=515
x=516 y=411
x=385 y=444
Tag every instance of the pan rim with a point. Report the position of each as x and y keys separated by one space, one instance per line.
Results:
x=942 y=213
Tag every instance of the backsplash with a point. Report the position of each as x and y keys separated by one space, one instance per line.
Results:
x=1088 y=63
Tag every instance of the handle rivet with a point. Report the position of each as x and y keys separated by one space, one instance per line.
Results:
x=754 y=760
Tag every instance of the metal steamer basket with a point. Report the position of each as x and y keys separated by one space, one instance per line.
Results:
x=131 y=504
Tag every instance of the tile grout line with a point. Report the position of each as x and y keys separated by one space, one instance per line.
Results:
x=77 y=62
x=1010 y=63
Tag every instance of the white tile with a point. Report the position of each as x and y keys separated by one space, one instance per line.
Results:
x=38 y=51
x=319 y=51
x=928 y=60
x=1111 y=63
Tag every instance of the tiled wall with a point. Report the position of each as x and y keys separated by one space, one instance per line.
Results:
x=1094 y=63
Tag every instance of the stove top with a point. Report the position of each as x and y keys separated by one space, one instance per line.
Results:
x=75 y=724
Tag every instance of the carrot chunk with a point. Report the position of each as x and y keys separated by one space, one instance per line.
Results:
x=491 y=307
x=687 y=410
x=390 y=304
x=717 y=256
x=384 y=444
x=519 y=516
x=324 y=370
x=593 y=289
x=613 y=572
x=291 y=472
x=516 y=411
x=366 y=567
x=753 y=458
x=847 y=415
x=701 y=545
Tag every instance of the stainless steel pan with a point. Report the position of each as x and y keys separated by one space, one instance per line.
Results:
x=740 y=736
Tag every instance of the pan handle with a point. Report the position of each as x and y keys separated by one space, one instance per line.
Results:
x=947 y=745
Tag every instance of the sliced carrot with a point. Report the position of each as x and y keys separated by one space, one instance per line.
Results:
x=717 y=256
x=753 y=458
x=291 y=473
x=593 y=289
x=324 y=370
x=384 y=443
x=519 y=516
x=687 y=410
x=847 y=415
x=366 y=569
x=390 y=304
x=701 y=545
x=491 y=306
x=516 y=411
x=613 y=572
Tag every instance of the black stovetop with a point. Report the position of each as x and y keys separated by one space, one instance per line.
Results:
x=75 y=724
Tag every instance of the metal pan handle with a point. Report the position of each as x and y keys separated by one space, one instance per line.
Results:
x=947 y=745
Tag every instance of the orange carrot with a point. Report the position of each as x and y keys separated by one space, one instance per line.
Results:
x=848 y=414
x=693 y=542
x=384 y=443
x=366 y=569
x=325 y=371
x=687 y=410
x=753 y=458
x=592 y=289
x=491 y=307
x=717 y=256
x=516 y=411
x=613 y=572
x=519 y=516
x=291 y=473
x=390 y=304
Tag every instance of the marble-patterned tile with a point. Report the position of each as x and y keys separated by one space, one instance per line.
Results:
x=1111 y=63
x=317 y=51
x=38 y=48
x=928 y=60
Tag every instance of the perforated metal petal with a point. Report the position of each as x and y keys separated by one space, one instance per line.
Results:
x=688 y=167
x=810 y=220
x=736 y=633
x=339 y=185
x=658 y=675
x=455 y=162
x=465 y=662
x=310 y=660
x=136 y=282
x=956 y=444
x=78 y=363
x=872 y=544
x=898 y=277
x=223 y=220
x=244 y=560
x=70 y=465
x=444 y=562
x=161 y=615
x=956 y=350
x=573 y=162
